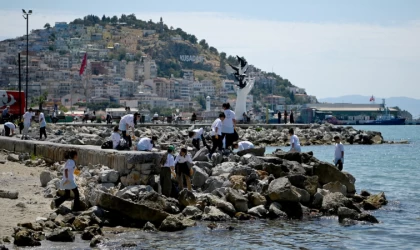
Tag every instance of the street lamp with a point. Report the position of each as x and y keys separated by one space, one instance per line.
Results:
x=26 y=16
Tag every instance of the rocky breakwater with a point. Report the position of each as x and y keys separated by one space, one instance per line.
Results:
x=313 y=134
x=278 y=186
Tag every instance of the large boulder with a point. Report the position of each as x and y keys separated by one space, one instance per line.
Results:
x=252 y=151
x=238 y=182
x=199 y=177
x=346 y=213
x=256 y=199
x=290 y=156
x=328 y=173
x=25 y=238
x=251 y=159
x=81 y=222
x=281 y=190
x=221 y=204
x=201 y=155
x=143 y=212
x=303 y=195
x=192 y=212
x=224 y=168
x=187 y=198
x=45 y=177
x=90 y=232
x=332 y=201
x=172 y=223
x=237 y=199
x=213 y=183
x=109 y=176
x=335 y=187
x=275 y=211
x=61 y=235
x=214 y=214
x=258 y=211
x=375 y=201
x=311 y=184
x=132 y=192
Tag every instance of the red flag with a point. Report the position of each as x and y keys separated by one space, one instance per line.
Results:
x=83 y=66
x=372 y=99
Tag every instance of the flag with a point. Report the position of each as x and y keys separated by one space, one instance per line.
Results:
x=372 y=99
x=83 y=66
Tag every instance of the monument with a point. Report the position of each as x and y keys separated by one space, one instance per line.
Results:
x=245 y=86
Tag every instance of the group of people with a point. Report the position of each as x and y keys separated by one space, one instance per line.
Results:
x=291 y=117
x=25 y=124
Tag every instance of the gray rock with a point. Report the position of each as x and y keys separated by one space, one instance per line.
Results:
x=199 y=177
x=275 y=211
x=109 y=176
x=223 y=205
x=105 y=187
x=203 y=164
x=98 y=239
x=61 y=235
x=201 y=155
x=280 y=190
x=253 y=151
x=346 y=213
x=213 y=214
x=311 y=184
x=172 y=223
x=256 y=199
x=303 y=195
x=13 y=157
x=328 y=173
x=9 y=194
x=224 y=168
x=131 y=192
x=332 y=201
x=192 y=212
x=90 y=232
x=213 y=182
x=251 y=159
x=335 y=187
x=258 y=211
x=317 y=200
x=187 y=198
x=216 y=159
x=45 y=177
x=237 y=199
x=25 y=238
x=149 y=227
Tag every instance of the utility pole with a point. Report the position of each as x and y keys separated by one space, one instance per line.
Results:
x=20 y=89
x=26 y=16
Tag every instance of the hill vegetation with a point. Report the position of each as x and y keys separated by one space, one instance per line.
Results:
x=168 y=44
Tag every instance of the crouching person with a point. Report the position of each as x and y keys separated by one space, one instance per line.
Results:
x=146 y=144
x=243 y=145
x=166 y=171
x=183 y=164
x=197 y=135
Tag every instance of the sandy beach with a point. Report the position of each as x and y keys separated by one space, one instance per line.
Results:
x=30 y=203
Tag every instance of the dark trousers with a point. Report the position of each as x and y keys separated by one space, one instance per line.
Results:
x=196 y=143
x=6 y=131
x=228 y=138
x=217 y=143
x=279 y=120
x=165 y=181
x=42 y=132
x=285 y=120
x=108 y=121
x=127 y=138
x=66 y=196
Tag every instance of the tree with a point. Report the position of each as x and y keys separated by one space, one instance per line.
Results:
x=214 y=50
x=202 y=101
x=192 y=39
x=47 y=26
x=114 y=19
x=204 y=44
x=103 y=18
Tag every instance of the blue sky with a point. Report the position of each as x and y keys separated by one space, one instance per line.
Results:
x=331 y=48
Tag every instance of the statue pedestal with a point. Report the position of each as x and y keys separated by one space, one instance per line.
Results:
x=241 y=96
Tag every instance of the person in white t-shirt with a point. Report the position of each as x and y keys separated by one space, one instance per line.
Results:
x=182 y=169
x=228 y=126
x=146 y=144
x=166 y=171
x=42 y=125
x=27 y=117
x=243 y=145
x=216 y=134
x=196 y=135
x=339 y=153
x=68 y=182
x=126 y=122
x=9 y=127
x=115 y=137
x=294 y=142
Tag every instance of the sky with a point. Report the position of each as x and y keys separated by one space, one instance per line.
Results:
x=329 y=47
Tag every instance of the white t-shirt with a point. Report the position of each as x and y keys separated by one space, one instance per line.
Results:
x=126 y=120
x=198 y=133
x=115 y=137
x=294 y=139
x=183 y=159
x=42 y=121
x=227 y=126
x=145 y=144
x=339 y=148
x=70 y=166
x=10 y=125
x=245 y=145
x=170 y=161
x=27 y=117
x=216 y=124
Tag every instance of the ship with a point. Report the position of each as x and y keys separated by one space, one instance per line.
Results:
x=386 y=118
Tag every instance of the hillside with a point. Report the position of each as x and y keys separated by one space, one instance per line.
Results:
x=168 y=44
x=404 y=103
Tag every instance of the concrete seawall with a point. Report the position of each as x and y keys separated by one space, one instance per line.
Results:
x=134 y=167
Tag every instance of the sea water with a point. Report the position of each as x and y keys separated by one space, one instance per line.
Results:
x=393 y=169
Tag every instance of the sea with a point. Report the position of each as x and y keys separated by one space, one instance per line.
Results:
x=391 y=168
